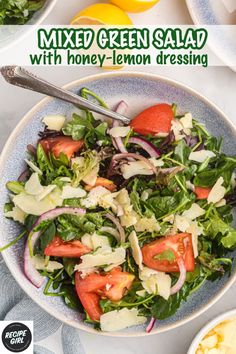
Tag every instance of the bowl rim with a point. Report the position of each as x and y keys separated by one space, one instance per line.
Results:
x=198 y=22
x=207 y=327
x=27 y=118
x=49 y=5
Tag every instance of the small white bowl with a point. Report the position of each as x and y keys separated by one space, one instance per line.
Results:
x=209 y=326
x=17 y=33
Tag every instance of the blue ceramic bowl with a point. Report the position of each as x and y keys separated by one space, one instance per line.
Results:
x=140 y=91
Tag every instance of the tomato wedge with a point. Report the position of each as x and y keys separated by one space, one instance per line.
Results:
x=104 y=182
x=202 y=192
x=93 y=287
x=156 y=119
x=179 y=245
x=61 y=144
x=60 y=248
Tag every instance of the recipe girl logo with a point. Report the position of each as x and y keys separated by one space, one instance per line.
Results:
x=16 y=337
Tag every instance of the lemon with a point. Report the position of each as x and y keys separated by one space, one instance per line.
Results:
x=134 y=5
x=100 y=14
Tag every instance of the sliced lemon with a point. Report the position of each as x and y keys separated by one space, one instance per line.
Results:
x=100 y=14
x=134 y=5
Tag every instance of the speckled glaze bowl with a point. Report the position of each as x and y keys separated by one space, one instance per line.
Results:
x=140 y=91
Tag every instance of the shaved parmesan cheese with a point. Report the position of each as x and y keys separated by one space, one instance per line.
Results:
x=147 y=224
x=155 y=282
x=79 y=161
x=30 y=205
x=187 y=121
x=156 y=162
x=195 y=231
x=136 y=250
x=65 y=179
x=181 y=223
x=177 y=129
x=194 y=212
x=39 y=263
x=95 y=241
x=133 y=168
x=46 y=191
x=91 y=177
x=141 y=293
x=94 y=197
x=16 y=214
x=120 y=319
x=33 y=167
x=201 y=155
x=145 y=194
x=170 y=218
x=162 y=135
x=129 y=217
x=217 y=192
x=71 y=192
x=119 y=132
x=54 y=121
x=102 y=257
x=83 y=273
x=190 y=186
x=222 y=202
x=33 y=185
x=111 y=231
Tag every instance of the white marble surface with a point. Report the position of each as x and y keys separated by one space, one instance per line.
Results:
x=216 y=83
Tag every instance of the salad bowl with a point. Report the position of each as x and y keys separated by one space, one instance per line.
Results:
x=140 y=91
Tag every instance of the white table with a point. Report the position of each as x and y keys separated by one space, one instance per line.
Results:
x=216 y=83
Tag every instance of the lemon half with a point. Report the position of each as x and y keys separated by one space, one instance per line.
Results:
x=100 y=14
x=134 y=5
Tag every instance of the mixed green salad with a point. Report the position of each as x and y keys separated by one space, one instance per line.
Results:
x=18 y=12
x=125 y=222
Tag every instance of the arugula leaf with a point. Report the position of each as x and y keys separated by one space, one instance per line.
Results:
x=71 y=298
x=167 y=255
x=224 y=168
x=182 y=152
x=45 y=238
x=163 y=309
x=216 y=227
x=166 y=205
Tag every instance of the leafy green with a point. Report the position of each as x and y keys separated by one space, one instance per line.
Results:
x=15 y=187
x=18 y=12
x=167 y=255
x=224 y=168
x=90 y=161
x=216 y=227
x=163 y=309
x=182 y=152
x=166 y=205
x=45 y=238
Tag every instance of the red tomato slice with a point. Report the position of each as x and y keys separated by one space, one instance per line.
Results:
x=202 y=192
x=60 y=248
x=117 y=283
x=180 y=245
x=95 y=286
x=64 y=144
x=153 y=120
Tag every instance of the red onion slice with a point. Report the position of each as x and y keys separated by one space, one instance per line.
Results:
x=150 y=325
x=146 y=145
x=121 y=108
x=182 y=277
x=118 y=226
x=30 y=271
x=136 y=157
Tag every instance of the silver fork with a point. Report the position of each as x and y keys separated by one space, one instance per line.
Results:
x=18 y=76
